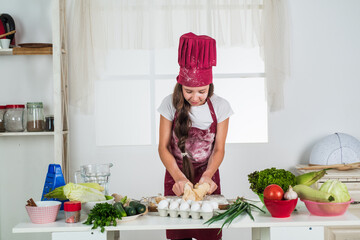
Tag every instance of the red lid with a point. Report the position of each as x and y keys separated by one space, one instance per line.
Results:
x=2 y=107
x=15 y=106
x=72 y=206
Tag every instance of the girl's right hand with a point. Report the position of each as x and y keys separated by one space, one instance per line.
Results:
x=178 y=187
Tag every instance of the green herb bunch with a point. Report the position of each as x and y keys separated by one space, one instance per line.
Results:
x=103 y=214
x=260 y=180
x=240 y=206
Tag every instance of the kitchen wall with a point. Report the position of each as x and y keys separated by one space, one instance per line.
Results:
x=322 y=97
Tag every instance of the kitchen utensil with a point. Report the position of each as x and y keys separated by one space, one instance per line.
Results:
x=341 y=167
x=8 y=25
x=7 y=34
x=45 y=212
x=337 y=148
x=280 y=208
x=4 y=43
x=326 y=209
x=97 y=173
x=54 y=178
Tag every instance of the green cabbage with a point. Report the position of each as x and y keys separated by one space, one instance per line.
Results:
x=337 y=189
x=77 y=192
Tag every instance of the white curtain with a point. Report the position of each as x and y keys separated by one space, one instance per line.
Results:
x=99 y=25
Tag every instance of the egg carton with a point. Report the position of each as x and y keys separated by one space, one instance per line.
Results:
x=174 y=213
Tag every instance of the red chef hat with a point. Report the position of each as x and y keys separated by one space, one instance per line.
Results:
x=197 y=56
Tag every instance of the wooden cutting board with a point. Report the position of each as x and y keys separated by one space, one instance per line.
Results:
x=32 y=51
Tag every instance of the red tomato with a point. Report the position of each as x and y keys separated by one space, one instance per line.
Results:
x=273 y=192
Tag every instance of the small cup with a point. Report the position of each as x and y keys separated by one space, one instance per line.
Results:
x=5 y=43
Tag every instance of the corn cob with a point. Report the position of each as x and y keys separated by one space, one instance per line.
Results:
x=310 y=178
x=308 y=193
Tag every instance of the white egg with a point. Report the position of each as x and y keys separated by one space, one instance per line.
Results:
x=184 y=206
x=195 y=206
x=174 y=205
x=214 y=205
x=163 y=204
x=206 y=207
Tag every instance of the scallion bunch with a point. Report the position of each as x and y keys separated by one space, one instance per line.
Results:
x=240 y=206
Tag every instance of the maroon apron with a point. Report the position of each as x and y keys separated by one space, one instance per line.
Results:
x=199 y=146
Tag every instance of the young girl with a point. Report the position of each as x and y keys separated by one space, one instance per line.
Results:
x=193 y=127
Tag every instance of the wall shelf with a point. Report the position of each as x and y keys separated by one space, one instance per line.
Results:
x=57 y=49
x=27 y=51
x=16 y=134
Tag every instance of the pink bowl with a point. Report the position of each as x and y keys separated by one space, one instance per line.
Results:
x=45 y=212
x=327 y=209
x=280 y=208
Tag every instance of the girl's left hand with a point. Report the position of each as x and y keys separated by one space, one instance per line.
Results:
x=213 y=185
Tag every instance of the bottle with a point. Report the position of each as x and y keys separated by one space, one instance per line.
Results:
x=72 y=211
x=35 y=117
x=2 y=113
x=49 y=123
x=14 y=118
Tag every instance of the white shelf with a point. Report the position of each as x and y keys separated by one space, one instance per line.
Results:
x=6 y=51
x=16 y=134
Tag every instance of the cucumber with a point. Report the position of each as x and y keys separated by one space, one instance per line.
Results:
x=308 y=193
x=119 y=208
x=140 y=208
x=130 y=211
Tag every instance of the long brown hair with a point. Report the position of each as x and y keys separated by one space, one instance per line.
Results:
x=183 y=124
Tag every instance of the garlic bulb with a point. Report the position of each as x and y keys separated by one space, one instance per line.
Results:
x=290 y=194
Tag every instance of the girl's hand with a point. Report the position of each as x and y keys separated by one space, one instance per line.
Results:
x=213 y=185
x=178 y=187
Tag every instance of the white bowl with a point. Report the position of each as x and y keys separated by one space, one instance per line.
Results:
x=86 y=207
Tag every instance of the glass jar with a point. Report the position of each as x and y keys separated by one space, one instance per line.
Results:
x=72 y=211
x=14 y=118
x=49 y=123
x=2 y=113
x=35 y=117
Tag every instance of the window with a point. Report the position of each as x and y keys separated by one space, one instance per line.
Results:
x=135 y=82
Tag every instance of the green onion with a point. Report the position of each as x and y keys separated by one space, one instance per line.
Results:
x=240 y=206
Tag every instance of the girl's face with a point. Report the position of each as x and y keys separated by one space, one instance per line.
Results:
x=196 y=96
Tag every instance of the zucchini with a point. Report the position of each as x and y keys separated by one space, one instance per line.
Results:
x=119 y=208
x=130 y=211
x=134 y=203
x=140 y=208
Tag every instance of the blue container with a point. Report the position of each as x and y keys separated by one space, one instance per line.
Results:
x=54 y=179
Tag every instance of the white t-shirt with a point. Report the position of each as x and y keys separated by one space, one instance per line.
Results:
x=200 y=115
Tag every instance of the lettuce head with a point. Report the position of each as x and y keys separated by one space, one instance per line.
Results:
x=77 y=192
x=337 y=189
